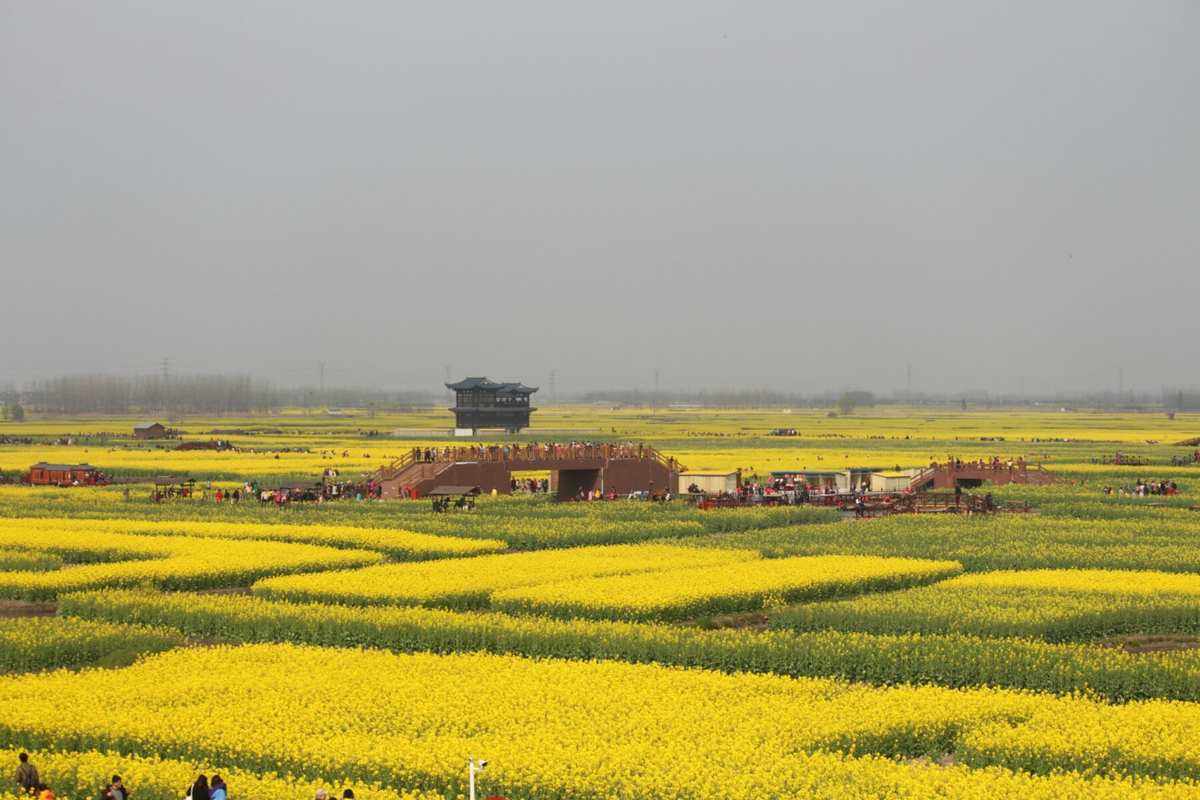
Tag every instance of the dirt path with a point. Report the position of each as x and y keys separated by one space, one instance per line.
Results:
x=10 y=609
x=1153 y=643
x=749 y=620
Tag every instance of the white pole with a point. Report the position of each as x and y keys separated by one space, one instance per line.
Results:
x=471 y=770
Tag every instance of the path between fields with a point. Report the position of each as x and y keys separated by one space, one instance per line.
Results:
x=10 y=609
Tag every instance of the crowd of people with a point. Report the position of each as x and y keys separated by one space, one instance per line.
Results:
x=995 y=462
x=537 y=451
x=29 y=784
x=330 y=488
x=1145 y=488
x=530 y=485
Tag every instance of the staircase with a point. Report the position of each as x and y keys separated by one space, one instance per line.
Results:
x=408 y=473
x=922 y=479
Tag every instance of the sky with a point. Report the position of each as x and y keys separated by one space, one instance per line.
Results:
x=795 y=195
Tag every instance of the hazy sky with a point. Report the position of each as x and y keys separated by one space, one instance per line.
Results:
x=796 y=194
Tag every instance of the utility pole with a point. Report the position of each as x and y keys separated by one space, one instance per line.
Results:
x=654 y=397
x=166 y=386
x=1120 y=384
x=554 y=387
x=908 y=381
x=321 y=376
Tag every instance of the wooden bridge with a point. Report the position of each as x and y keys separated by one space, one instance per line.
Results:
x=573 y=468
x=970 y=474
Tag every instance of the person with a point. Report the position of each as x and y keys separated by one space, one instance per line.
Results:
x=217 y=789
x=28 y=780
x=47 y=794
x=322 y=794
x=348 y=794
x=199 y=790
x=116 y=790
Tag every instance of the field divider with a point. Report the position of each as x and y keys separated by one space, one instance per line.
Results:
x=955 y=661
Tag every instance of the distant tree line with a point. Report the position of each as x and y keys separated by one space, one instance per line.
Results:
x=846 y=401
x=198 y=394
x=730 y=398
x=228 y=394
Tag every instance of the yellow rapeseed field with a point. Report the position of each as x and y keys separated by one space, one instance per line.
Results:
x=720 y=588
x=398 y=543
x=474 y=646
x=176 y=562
x=468 y=583
x=569 y=729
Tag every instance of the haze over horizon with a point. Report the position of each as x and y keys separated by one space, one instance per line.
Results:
x=777 y=195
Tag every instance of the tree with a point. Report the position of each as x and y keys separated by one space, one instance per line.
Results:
x=16 y=413
x=853 y=398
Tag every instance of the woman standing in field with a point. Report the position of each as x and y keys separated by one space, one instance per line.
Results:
x=199 y=790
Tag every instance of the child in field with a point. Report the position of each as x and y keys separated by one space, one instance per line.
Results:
x=116 y=790
x=217 y=789
x=28 y=781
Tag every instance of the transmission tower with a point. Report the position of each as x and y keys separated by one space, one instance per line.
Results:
x=166 y=386
x=554 y=387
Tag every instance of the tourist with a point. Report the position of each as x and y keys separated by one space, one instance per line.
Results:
x=348 y=794
x=199 y=789
x=116 y=790
x=322 y=794
x=28 y=781
x=217 y=790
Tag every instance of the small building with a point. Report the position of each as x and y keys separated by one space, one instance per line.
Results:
x=709 y=482
x=484 y=403
x=44 y=474
x=152 y=430
x=892 y=480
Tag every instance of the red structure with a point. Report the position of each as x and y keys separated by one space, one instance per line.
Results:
x=573 y=468
x=43 y=474
x=971 y=474
x=153 y=430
